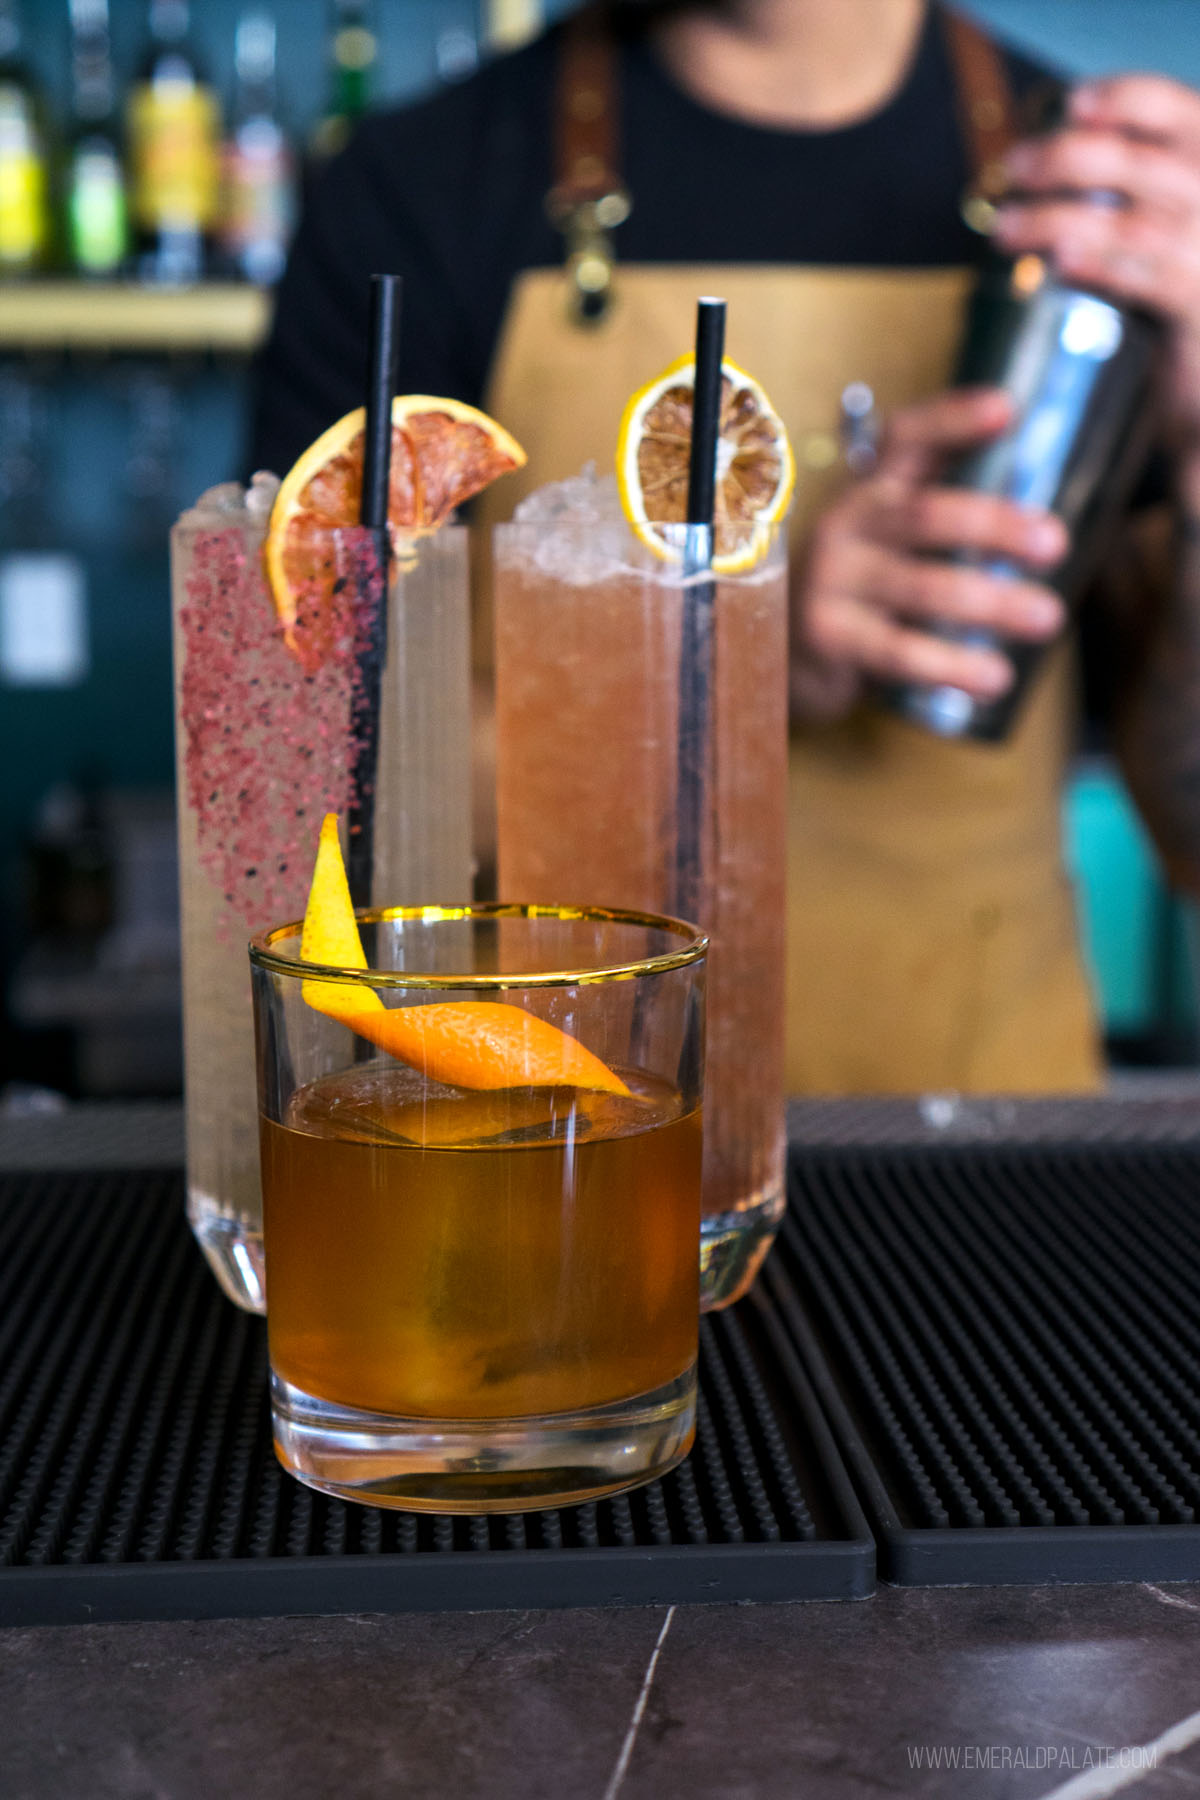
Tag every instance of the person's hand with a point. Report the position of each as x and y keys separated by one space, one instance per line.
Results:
x=876 y=571
x=1137 y=138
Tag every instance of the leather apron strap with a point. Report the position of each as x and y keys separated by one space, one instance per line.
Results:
x=589 y=199
x=986 y=110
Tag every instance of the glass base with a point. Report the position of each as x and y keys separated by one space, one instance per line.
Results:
x=234 y=1249
x=733 y=1246
x=482 y=1465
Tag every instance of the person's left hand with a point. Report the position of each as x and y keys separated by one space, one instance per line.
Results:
x=1136 y=137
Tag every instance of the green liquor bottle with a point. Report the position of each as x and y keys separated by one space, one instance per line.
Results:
x=353 y=52
x=96 y=215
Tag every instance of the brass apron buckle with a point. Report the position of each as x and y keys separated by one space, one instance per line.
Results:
x=587 y=223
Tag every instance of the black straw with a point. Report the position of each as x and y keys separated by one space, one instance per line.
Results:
x=697 y=642
x=382 y=355
x=383 y=352
x=706 y=411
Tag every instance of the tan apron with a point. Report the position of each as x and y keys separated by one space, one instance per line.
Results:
x=932 y=938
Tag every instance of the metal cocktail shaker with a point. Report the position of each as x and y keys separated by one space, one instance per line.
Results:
x=1079 y=370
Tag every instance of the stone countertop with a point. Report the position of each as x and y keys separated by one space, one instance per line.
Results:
x=1012 y=1693
x=977 y=1692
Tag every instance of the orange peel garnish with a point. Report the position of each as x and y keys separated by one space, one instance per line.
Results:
x=461 y=1043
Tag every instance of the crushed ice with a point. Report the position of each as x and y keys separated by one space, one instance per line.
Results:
x=218 y=507
x=583 y=499
x=575 y=533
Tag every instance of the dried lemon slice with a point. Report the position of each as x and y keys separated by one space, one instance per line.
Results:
x=755 y=467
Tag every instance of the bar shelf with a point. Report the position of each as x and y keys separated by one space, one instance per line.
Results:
x=222 y=317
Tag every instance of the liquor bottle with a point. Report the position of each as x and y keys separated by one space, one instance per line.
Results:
x=511 y=23
x=174 y=152
x=456 y=53
x=258 y=193
x=24 y=198
x=353 y=49
x=97 y=220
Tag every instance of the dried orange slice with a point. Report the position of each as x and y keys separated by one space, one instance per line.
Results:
x=462 y=1043
x=755 y=467
x=442 y=452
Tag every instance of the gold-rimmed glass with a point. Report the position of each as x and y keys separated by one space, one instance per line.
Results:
x=483 y=1299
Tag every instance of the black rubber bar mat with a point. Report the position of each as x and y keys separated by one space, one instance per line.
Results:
x=1007 y=1342
x=137 y=1477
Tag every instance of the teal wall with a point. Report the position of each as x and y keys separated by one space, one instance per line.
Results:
x=1137 y=937
x=1096 y=37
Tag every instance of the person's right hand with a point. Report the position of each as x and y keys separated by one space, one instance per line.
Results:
x=876 y=574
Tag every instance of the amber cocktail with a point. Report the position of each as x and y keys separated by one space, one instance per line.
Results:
x=482 y=1299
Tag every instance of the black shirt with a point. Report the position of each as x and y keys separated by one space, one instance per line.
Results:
x=450 y=194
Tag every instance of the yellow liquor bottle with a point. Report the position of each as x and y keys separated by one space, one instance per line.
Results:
x=174 y=139
x=24 y=201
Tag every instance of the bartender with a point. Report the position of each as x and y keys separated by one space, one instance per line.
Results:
x=554 y=219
